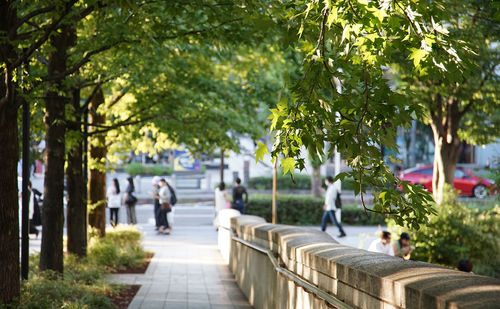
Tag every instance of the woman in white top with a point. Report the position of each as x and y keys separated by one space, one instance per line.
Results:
x=221 y=200
x=114 y=202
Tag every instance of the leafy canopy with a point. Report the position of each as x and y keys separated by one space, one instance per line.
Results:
x=345 y=97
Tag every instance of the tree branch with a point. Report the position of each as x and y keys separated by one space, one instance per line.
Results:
x=119 y=97
x=196 y=32
x=27 y=17
x=82 y=62
x=52 y=27
x=468 y=107
x=91 y=96
x=124 y=123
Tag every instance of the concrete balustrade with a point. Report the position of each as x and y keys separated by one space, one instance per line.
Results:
x=359 y=278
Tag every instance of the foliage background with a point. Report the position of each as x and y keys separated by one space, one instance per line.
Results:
x=458 y=232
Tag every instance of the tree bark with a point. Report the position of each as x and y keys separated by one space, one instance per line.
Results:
x=446 y=145
x=316 y=181
x=9 y=151
x=51 y=254
x=9 y=213
x=97 y=175
x=76 y=218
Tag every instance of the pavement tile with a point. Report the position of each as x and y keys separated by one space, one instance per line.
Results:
x=175 y=305
x=153 y=304
x=187 y=270
x=197 y=305
x=177 y=296
x=203 y=297
x=222 y=306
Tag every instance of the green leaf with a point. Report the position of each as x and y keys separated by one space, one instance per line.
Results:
x=260 y=152
x=418 y=55
x=288 y=165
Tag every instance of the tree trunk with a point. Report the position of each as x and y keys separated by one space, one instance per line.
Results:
x=316 y=181
x=9 y=151
x=97 y=177
x=51 y=254
x=9 y=213
x=76 y=217
x=446 y=146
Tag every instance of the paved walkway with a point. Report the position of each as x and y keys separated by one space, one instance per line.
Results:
x=187 y=270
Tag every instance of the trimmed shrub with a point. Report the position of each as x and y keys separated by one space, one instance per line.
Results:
x=121 y=248
x=135 y=168
x=305 y=210
x=457 y=232
x=82 y=286
x=302 y=182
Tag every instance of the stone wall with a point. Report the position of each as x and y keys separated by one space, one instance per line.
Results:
x=359 y=278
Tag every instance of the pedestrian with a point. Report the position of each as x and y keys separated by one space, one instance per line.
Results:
x=382 y=244
x=221 y=201
x=238 y=192
x=173 y=201
x=402 y=247
x=130 y=200
x=165 y=207
x=329 y=208
x=114 y=202
x=156 y=198
x=34 y=210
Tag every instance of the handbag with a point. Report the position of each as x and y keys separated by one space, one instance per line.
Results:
x=166 y=206
x=338 y=201
x=131 y=199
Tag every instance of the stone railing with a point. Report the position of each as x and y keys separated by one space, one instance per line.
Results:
x=311 y=270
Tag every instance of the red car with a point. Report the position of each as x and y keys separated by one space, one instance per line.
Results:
x=466 y=183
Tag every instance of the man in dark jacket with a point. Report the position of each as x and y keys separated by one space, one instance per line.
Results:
x=238 y=192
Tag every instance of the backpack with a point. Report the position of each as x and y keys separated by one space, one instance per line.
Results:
x=338 y=201
x=173 y=198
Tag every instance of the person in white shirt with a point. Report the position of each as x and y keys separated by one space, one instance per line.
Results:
x=165 y=207
x=114 y=202
x=383 y=244
x=221 y=201
x=329 y=207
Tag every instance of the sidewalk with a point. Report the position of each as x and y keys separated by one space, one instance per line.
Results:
x=187 y=270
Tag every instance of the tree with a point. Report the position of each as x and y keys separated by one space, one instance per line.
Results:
x=19 y=42
x=460 y=97
x=349 y=49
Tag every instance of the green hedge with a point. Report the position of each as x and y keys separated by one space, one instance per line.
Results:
x=302 y=182
x=134 y=169
x=305 y=210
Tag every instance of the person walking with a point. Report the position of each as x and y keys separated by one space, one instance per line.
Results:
x=156 y=197
x=34 y=210
x=114 y=202
x=221 y=201
x=165 y=208
x=130 y=200
x=238 y=192
x=329 y=207
x=382 y=244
